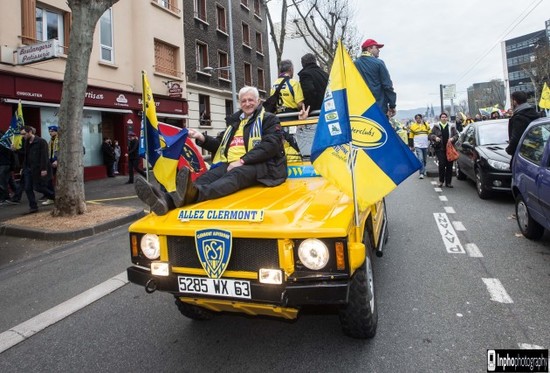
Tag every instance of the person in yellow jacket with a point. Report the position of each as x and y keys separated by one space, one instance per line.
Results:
x=291 y=98
x=419 y=142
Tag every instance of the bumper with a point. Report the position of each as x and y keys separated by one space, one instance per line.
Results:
x=285 y=295
x=498 y=182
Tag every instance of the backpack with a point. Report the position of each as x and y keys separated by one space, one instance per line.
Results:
x=270 y=104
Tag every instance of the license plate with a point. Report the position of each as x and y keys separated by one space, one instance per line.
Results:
x=221 y=287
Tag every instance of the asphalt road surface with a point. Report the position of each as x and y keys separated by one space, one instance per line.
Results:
x=456 y=279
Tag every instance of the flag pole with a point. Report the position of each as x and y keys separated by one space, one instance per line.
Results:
x=353 y=155
x=144 y=124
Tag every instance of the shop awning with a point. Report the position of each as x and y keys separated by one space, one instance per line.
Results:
x=49 y=104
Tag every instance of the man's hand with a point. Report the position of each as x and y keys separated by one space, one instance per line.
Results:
x=194 y=134
x=43 y=173
x=391 y=112
x=234 y=164
x=304 y=113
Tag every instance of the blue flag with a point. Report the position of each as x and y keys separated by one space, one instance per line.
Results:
x=163 y=151
x=353 y=133
x=13 y=134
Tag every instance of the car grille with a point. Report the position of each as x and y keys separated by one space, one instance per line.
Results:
x=247 y=254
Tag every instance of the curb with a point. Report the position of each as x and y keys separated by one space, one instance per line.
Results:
x=18 y=231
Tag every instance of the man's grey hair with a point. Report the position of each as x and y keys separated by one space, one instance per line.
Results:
x=248 y=89
x=286 y=66
x=308 y=58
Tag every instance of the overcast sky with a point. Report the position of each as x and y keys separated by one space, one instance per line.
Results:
x=433 y=42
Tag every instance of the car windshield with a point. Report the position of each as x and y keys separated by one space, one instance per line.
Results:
x=493 y=133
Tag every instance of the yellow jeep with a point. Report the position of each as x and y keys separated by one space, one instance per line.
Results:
x=267 y=251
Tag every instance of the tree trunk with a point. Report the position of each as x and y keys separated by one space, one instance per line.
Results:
x=70 y=196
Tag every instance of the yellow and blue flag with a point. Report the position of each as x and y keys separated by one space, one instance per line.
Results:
x=353 y=135
x=544 y=101
x=12 y=137
x=163 y=150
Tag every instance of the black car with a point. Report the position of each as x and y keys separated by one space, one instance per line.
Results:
x=483 y=157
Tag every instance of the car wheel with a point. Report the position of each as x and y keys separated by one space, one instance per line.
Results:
x=359 y=318
x=459 y=174
x=193 y=312
x=527 y=225
x=482 y=192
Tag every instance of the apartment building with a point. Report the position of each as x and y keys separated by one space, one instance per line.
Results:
x=208 y=77
x=130 y=37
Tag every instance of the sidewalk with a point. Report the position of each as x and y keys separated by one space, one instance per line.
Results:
x=110 y=191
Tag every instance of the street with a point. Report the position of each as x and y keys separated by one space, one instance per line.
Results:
x=457 y=278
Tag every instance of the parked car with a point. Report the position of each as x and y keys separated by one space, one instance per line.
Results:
x=531 y=179
x=483 y=158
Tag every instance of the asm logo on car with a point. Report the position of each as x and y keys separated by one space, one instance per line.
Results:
x=214 y=250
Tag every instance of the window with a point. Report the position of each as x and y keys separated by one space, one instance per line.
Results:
x=259 y=43
x=261 y=80
x=246 y=34
x=106 y=36
x=200 y=10
x=201 y=55
x=532 y=147
x=247 y=74
x=41 y=23
x=166 y=58
x=257 y=8
x=169 y=4
x=223 y=61
x=204 y=110
x=221 y=21
x=49 y=25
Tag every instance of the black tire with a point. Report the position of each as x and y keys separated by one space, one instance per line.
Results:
x=482 y=192
x=459 y=174
x=527 y=225
x=193 y=312
x=359 y=318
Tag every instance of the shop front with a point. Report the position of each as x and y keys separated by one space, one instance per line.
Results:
x=107 y=114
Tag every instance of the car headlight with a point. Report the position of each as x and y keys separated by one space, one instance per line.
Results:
x=313 y=253
x=150 y=246
x=498 y=165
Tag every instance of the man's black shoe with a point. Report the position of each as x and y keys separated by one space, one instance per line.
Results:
x=31 y=211
x=151 y=196
x=129 y=182
x=183 y=178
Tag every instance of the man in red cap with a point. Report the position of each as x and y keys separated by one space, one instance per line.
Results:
x=377 y=76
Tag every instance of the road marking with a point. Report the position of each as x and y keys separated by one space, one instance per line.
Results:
x=40 y=322
x=443 y=198
x=449 y=210
x=448 y=234
x=459 y=226
x=438 y=189
x=497 y=291
x=473 y=250
x=528 y=346
x=434 y=182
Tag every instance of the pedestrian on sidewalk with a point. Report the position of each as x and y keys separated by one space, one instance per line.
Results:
x=116 y=147
x=108 y=156
x=36 y=171
x=133 y=158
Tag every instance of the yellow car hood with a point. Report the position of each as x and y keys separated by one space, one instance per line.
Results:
x=300 y=207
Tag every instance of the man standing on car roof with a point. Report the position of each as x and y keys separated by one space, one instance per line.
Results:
x=376 y=75
x=523 y=114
